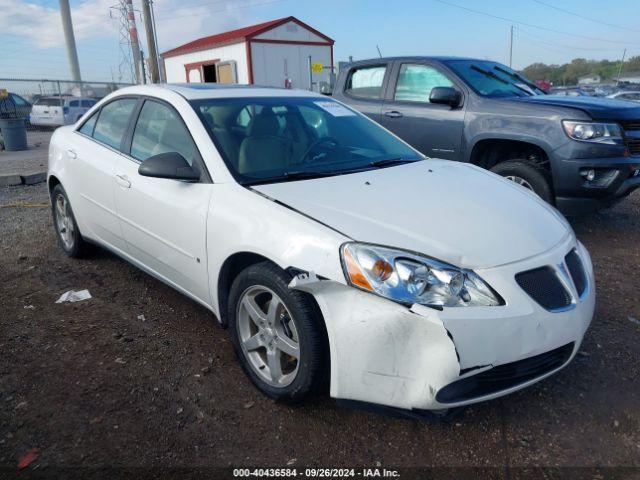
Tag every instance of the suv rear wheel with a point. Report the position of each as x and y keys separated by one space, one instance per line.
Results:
x=526 y=175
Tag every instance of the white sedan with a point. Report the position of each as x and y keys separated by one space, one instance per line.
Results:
x=331 y=249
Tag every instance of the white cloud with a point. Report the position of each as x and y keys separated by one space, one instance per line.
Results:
x=42 y=26
x=178 y=21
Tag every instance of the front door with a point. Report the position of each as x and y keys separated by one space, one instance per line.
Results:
x=435 y=130
x=164 y=222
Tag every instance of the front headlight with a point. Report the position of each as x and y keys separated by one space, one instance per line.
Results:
x=410 y=278
x=593 y=132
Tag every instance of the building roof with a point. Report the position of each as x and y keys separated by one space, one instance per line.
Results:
x=238 y=35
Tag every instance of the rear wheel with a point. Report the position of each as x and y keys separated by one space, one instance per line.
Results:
x=528 y=176
x=65 y=224
x=277 y=333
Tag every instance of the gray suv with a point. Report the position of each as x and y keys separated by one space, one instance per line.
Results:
x=578 y=153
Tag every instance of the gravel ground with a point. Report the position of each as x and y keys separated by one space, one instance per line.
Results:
x=140 y=376
x=32 y=160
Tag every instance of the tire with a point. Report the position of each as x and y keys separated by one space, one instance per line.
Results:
x=529 y=176
x=65 y=224
x=295 y=321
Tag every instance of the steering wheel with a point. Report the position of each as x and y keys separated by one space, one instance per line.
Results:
x=316 y=144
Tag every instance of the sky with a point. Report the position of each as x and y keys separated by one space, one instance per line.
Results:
x=32 y=41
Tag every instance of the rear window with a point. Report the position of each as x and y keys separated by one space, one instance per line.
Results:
x=113 y=121
x=49 y=102
x=366 y=82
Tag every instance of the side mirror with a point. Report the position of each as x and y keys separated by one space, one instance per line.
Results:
x=170 y=165
x=445 y=96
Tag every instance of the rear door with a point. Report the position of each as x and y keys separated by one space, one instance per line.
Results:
x=435 y=130
x=164 y=222
x=363 y=88
x=91 y=157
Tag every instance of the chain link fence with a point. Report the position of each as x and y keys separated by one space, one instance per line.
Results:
x=45 y=104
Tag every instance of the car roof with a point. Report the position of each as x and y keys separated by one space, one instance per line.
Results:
x=437 y=58
x=202 y=91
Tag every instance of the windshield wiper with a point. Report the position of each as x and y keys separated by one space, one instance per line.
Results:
x=385 y=162
x=289 y=176
x=300 y=174
x=517 y=76
x=490 y=74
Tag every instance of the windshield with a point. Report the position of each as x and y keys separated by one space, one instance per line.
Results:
x=492 y=79
x=271 y=139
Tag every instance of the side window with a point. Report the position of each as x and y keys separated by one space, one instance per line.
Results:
x=315 y=120
x=87 y=103
x=161 y=130
x=74 y=103
x=243 y=117
x=113 y=121
x=366 y=82
x=87 y=127
x=415 y=82
x=246 y=114
x=19 y=101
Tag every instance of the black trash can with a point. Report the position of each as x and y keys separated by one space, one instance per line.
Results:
x=14 y=133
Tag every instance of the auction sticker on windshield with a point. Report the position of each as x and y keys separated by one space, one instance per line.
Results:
x=335 y=109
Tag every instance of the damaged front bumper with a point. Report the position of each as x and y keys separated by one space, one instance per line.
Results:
x=420 y=358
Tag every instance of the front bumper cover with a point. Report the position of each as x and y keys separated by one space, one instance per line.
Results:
x=385 y=353
x=575 y=195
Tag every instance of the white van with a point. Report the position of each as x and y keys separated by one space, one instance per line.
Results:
x=59 y=110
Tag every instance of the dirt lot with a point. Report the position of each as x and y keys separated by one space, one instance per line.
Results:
x=140 y=376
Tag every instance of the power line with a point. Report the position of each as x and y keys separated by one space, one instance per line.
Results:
x=237 y=7
x=579 y=15
x=533 y=37
x=510 y=20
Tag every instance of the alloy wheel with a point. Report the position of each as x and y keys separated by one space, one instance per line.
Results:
x=268 y=336
x=64 y=221
x=520 y=181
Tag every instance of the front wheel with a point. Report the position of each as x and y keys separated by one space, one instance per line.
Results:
x=528 y=176
x=277 y=333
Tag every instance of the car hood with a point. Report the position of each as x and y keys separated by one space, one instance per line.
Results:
x=451 y=211
x=596 y=108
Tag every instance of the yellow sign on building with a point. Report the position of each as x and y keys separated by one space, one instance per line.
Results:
x=317 y=67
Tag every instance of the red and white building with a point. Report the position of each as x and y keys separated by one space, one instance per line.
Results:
x=274 y=53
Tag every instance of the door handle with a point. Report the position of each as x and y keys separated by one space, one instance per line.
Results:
x=123 y=181
x=72 y=153
x=393 y=114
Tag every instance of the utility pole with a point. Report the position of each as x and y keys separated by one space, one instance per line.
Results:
x=144 y=73
x=149 y=28
x=133 y=38
x=70 y=40
x=620 y=68
x=511 y=49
